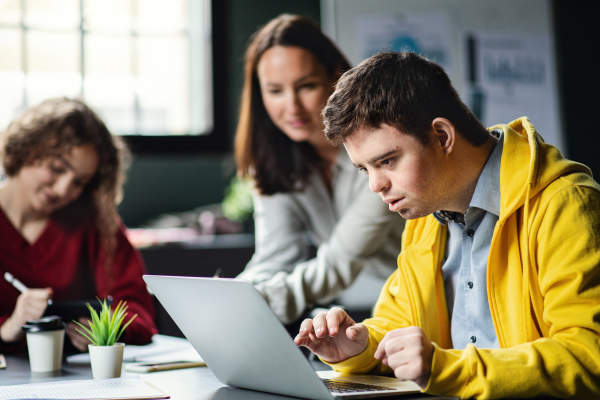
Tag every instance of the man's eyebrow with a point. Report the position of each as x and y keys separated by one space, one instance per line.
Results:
x=382 y=156
x=377 y=158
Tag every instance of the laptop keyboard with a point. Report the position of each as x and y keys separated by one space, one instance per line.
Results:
x=351 y=387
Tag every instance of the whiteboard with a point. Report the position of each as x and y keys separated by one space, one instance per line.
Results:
x=500 y=55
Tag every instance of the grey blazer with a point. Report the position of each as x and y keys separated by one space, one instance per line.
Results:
x=357 y=237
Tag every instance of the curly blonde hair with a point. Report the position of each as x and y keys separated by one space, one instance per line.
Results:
x=55 y=127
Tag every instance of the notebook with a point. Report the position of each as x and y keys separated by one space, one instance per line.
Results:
x=97 y=389
x=235 y=332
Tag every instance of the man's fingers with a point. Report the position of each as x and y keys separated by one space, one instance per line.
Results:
x=310 y=342
x=380 y=352
x=357 y=332
x=395 y=334
x=335 y=318
x=305 y=328
x=320 y=325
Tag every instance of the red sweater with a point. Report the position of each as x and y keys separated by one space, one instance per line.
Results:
x=68 y=258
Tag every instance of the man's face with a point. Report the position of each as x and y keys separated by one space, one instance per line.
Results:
x=414 y=179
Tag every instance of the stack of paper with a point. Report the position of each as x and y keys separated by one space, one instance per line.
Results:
x=118 y=388
x=162 y=349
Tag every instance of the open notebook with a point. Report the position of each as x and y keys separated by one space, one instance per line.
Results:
x=117 y=388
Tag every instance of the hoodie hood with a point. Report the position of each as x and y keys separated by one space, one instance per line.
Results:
x=528 y=166
x=523 y=145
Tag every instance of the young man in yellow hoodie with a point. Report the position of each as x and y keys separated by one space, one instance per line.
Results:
x=497 y=291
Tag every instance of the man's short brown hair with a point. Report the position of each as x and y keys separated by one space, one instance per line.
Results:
x=402 y=90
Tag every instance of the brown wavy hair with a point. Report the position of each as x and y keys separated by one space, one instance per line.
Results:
x=263 y=152
x=55 y=127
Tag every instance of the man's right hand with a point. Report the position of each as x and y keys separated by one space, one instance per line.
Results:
x=333 y=336
x=30 y=305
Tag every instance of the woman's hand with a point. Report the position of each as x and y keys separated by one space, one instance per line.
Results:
x=78 y=340
x=30 y=305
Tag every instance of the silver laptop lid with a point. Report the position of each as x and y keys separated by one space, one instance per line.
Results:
x=235 y=332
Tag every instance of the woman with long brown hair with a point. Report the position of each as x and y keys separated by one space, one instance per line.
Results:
x=306 y=190
x=60 y=234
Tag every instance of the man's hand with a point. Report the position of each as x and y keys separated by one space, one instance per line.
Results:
x=409 y=353
x=30 y=305
x=333 y=336
x=78 y=340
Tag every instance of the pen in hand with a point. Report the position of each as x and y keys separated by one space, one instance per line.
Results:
x=18 y=284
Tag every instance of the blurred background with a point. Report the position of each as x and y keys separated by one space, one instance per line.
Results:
x=167 y=75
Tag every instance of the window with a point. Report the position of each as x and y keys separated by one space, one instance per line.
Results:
x=144 y=65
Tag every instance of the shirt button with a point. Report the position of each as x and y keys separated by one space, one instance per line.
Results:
x=473 y=339
x=470 y=285
x=470 y=233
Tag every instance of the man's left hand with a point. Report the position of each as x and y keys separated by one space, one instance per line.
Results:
x=409 y=353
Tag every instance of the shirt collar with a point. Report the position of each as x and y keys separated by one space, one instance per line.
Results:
x=487 y=190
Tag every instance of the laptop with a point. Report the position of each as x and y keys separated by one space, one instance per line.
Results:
x=235 y=332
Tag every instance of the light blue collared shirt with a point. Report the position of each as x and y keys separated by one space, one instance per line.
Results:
x=465 y=265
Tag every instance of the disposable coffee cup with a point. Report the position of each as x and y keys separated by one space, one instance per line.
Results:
x=45 y=339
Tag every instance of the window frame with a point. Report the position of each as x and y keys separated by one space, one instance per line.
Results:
x=215 y=141
x=216 y=138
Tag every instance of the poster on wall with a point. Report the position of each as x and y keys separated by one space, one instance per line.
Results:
x=512 y=75
x=424 y=33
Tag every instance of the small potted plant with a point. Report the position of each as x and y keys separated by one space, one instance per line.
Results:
x=106 y=354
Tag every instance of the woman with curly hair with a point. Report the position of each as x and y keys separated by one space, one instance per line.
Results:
x=306 y=189
x=60 y=234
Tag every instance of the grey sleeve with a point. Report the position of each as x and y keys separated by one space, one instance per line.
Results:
x=367 y=236
x=280 y=237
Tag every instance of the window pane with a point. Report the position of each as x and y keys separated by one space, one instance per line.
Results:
x=10 y=12
x=107 y=54
x=107 y=16
x=113 y=97
x=52 y=14
x=163 y=85
x=158 y=55
x=44 y=85
x=161 y=17
x=11 y=101
x=53 y=51
x=10 y=48
x=146 y=62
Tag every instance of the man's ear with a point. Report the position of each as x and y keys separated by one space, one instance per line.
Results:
x=444 y=134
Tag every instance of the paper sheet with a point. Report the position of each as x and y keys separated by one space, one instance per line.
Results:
x=162 y=349
x=118 y=388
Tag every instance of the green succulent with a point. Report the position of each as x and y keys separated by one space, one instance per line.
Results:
x=104 y=328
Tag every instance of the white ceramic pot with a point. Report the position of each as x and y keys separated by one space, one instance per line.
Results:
x=107 y=361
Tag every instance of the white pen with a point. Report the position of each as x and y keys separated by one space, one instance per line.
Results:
x=17 y=284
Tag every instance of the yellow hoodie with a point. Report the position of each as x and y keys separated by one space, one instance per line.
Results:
x=543 y=284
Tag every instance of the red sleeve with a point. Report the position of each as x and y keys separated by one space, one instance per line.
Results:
x=124 y=282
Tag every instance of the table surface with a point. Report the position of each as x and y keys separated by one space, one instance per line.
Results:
x=183 y=384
